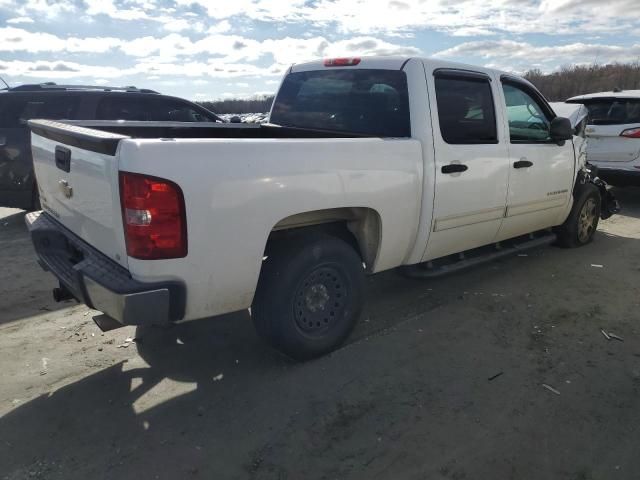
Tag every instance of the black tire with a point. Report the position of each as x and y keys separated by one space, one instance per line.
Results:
x=309 y=295
x=582 y=223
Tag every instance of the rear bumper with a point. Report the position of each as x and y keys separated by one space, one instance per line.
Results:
x=99 y=282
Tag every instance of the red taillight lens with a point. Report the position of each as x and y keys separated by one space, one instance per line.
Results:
x=341 y=62
x=155 y=225
x=631 y=133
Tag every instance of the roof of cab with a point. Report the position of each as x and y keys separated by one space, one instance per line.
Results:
x=389 y=63
x=609 y=94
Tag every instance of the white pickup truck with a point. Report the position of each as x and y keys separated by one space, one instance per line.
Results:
x=367 y=164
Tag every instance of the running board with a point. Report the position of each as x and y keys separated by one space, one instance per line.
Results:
x=478 y=256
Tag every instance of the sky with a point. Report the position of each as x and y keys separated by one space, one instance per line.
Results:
x=216 y=49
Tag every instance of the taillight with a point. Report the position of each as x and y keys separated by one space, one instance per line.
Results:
x=341 y=62
x=631 y=133
x=155 y=224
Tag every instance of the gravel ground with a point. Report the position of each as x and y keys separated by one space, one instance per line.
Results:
x=442 y=379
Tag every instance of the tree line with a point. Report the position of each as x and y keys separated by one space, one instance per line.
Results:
x=580 y=79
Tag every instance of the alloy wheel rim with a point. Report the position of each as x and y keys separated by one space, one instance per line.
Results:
x=587 y=220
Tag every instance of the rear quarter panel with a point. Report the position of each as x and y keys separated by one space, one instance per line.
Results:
x=236 y=191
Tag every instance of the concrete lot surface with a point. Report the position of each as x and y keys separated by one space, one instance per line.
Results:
x=408 y=397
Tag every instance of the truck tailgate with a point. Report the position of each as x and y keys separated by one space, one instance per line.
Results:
x=77 y=174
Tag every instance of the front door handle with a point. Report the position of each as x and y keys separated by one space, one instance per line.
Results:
x=454 y=168
x=522 y=164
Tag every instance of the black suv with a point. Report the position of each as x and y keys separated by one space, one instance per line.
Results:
x=72 y=102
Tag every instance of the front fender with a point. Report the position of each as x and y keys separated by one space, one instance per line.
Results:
x=609 y=204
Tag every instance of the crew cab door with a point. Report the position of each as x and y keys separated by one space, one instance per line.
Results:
x=471 y=162
x=541 y=171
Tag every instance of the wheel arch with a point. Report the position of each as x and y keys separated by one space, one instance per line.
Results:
x=359 y=226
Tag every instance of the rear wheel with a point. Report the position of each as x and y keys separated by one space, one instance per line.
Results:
x=309 y=295
x=582 y=222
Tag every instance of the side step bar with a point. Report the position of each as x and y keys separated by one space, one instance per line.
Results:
x=478 y=256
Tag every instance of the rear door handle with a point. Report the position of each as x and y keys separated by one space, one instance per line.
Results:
x=522 y=164
x=454 y=168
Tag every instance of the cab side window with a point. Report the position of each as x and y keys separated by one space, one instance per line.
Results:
x=15 y=112
x=466 y=111
x=113 y=107
x=169 y=110
x=528 y=122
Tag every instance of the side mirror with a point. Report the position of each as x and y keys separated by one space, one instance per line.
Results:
x=561 y=129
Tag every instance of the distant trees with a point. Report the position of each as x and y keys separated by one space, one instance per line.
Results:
x=580 y=79
x=257 y=104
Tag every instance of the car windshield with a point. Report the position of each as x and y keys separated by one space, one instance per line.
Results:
x=368 y=102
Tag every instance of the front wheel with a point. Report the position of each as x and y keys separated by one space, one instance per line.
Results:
x=582 y=222
x=309 y=296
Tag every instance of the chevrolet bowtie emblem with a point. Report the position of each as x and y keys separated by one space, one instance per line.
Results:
x=65 y=188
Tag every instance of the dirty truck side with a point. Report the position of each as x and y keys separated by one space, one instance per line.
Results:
x=366 y=165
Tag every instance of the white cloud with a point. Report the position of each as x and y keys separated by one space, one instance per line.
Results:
x=60 y=69
x=150 y=70
x=16 y=39
x=109 y=8
x=235 y=48
x=44 y=8
x=220 y=27
x=180 y=24
x=457 y=17
x=364 y=17
x=513 y=55
x=17 y=20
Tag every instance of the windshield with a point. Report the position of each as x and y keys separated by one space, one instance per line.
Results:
x=369 y=102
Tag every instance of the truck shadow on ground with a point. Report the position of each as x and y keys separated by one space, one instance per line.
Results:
x=215 y=402
x=26 y=288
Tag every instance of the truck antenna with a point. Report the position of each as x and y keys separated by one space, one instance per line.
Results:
x=8 y=87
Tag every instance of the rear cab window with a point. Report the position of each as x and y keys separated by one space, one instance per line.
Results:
x=466 y=110
x=364 y=101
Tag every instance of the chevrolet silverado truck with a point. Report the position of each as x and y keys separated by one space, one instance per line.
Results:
x=366 y=164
